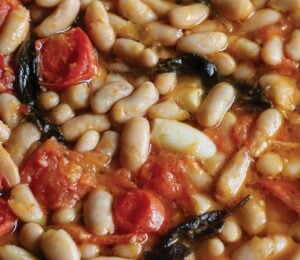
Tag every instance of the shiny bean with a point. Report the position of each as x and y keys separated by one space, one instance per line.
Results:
x=10 y=110
x=165 y=82
x=29 y=236
x=4 y=132
x=77 y=96
x=61 y=114
x=272 y=51
x=64 y=216
x=8 y=167
x=109 y=144
x=9 y=252
x=292 y=48
x=48 y=100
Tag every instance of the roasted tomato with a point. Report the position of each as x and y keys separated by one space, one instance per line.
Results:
x=8 y=220
x=66 y=59
x=6 y=76
x=59 y=177
x=138 y=211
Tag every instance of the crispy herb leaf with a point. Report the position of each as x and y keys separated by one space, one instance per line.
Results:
x=175 y=245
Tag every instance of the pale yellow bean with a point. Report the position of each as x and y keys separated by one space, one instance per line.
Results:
x=244 y=71
x=201 y=203
x=270 y=164
x=135 y=143
x=246 y=49
x=186 y=17
x=10 y=252
x=137 y=104
x=272 y=51
x=88 y=251
x=88 y=141
x=84 y=4
x=109 y=144
x=231 y=231
x=61 y=114
x=48 y=100
x=10 y=110
x=165 y=82
x=216 y=104
x=225 y=63
x=74 y=128
x=4 y=132
x=114 y=77
x=160 y=7
x=130 y=250
x=29 y=236
x=209 y=26
x=212 y=247
x=8 y=168
x=214 y=164
x=291 y=169
x=77 y=96
x=63 y=216
x=259 y=4
x=292 y=48
x=284 y=6
x=47 y=3
x=14 y=30
x=203 y=43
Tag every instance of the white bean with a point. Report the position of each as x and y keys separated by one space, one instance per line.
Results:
x=48 y=100
x=160 y=7
x=88 y=251
x=64 y=216
x=246 y=49
x=61 y=114
x=291 y=169
x=8 y=167
x=231 y=231
x=272 y=51
x=62 y=17
x=269 y=164
x=74 y=128
x=135 y=143
x=109 y=94
x=21 y=140
x=209 y=26
x=182 y=138
x=186 y=17
x=292 y=48
x=14 y=30
x=214 y=164
x=225 y=63
x=97 y=213
x=29 y=236
x=9 y=252
x=259 y=4
x=201 y=203
x=88 y=141
x=58 y=245
x=203 y=43
x=137 y=104
x=47 y=3
x=284 y=6
x=131 y=250
x=10 y=110
x=37 y=13
x=24 y=205
x=233 y=176
x=212 y=247
x=245 y=71
x=4 y=132
x=77 y=96
x=165 y=82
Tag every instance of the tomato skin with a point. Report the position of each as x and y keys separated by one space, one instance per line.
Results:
x=59 y=177
x=138 y=211
x=66 y=59
x=8 y=220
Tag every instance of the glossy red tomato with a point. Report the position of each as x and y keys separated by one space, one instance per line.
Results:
x=138 y=211
x=66 y=59
x=8 y=220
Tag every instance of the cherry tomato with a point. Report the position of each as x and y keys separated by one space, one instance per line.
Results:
x=286 y=191
x=5 y=7
x=66 y=59
x=59 y=177
x=8 y=220
x=138 y=211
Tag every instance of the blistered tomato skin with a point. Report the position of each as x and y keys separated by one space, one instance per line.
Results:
x=65 y=59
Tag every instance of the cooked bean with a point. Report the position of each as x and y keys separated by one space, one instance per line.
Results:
x=165 y=82
x=97 y=213
x=8 y=168
x=84 y=4
x=88 y=141
x=259 y=4
x=37 y=13
x=135 y=105
x=64 y=216
x=14 y=30
x=182 y=138
x=234 y=9
x=114 y=77
x=246 y=49
x=233 y=176
x=272 y=51
x=98 y=26
x=48 y=100
x=209 y=26
x=214 y=164
x=62 y=17
x=130 y=250
x=29 y=236
x=186 y=17
x=284 y=6
x=216 y=104
x=280 y=244
x=4 y=132
x=225 y=63
x=77 y=96
x=10 y=110
x=212 y=247
x=291 y=169
x=203 y=43
x=58 y=245
x=269 y=164
x=21 y=140
x=135 y=143
x=88 y=251
x=74 y=128
x=61 y=114
x=160 y=7
x=202 y=203
x=108 y=144
x=9 y=252
x=245 y=71
x=231 y=231
x=136 y=11
x=292 y=47
x=295 y=232
x=109 y=94
x=24 y=205
x=47 y=3
x=148 y=58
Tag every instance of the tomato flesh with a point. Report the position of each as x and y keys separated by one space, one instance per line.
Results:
x=138 y=211
x=66 y=59
x=8 y=220
x=59 y=177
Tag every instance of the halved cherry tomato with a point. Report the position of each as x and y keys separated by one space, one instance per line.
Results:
x=66 y=59
x=138 y=211
x=59 y=177
x=286 y=191
x=5 y=7
x=8 y=220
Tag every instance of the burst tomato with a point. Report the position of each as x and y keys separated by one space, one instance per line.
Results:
x=7 y=219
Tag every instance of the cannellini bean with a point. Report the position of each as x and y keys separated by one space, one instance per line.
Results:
x=291 y=169
x=103 y=100
x=203 y=43
x=47 y=3
x=186 y=17
x=280 y=243
x=62 y=17
x=209 y=26
x=234 y=9
x=165 y=82
x=8 y=168
x=77 y=96
x=77 y=126
x=214 y=164
x=216 y=104
x=14 y=30
x=260 y=19
x=24 y=205
x=58 y=245
x=212 y=247
x=29 y=236
x=97 y=212
x=61 y=114
x=182 y=138
x=161 y=8
x=233 y=176
x=64 y=216
x=4 y=132
x=88 y=251
x=231 y=231
x=253 y=216
x=246 y=49
x=284 y=6
x=245 y=71
x=9 y=252
x=225 y=63
x=272 y=51
x=130 y=250
x=98 y=26
x=88 y=141
x=137 y=104
x=48 y=100
x=114 y=77
x=157 y=32
x=259 y=4
x=108 y=144
x=292 y=48
x=135 y=143
x=295 y=232
x=269 y=164
x=201 y=203
x=136 y=11
x=10 y=110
